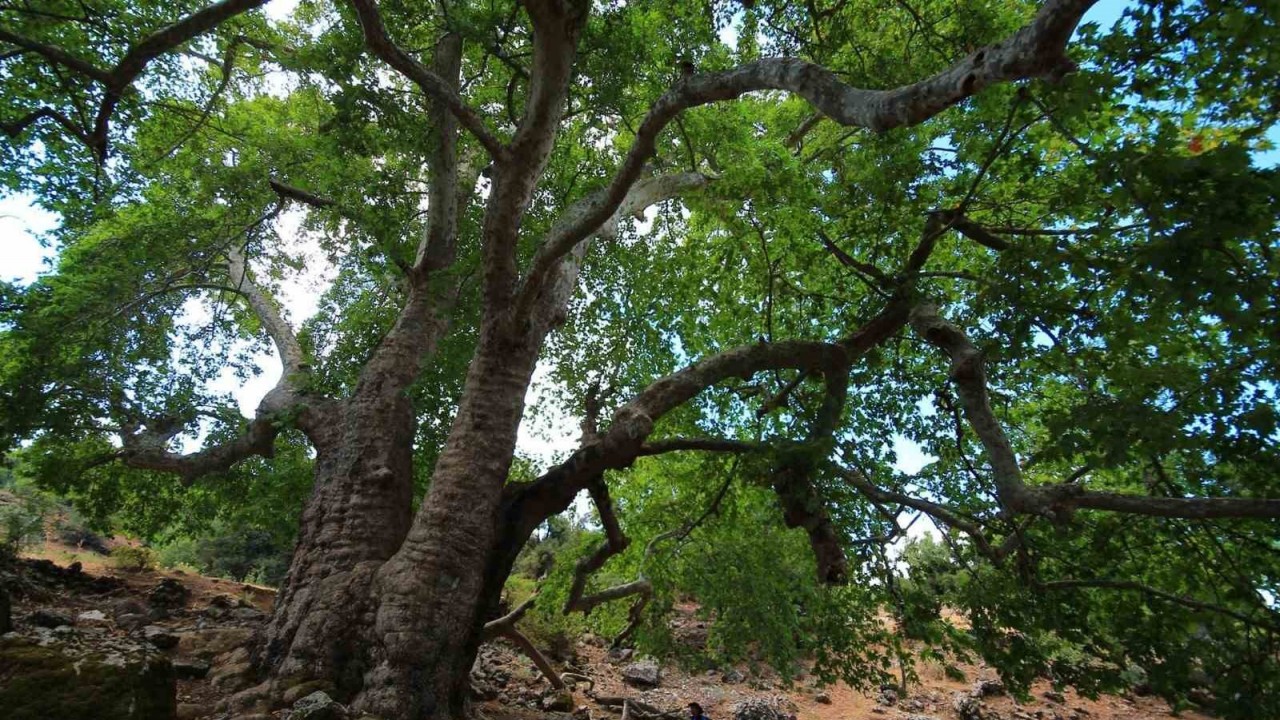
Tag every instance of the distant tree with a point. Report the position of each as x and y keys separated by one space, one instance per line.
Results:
x=1064 y=289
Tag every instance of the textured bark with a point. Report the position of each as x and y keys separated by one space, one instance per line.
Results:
x=356 y=518
x=432 y=593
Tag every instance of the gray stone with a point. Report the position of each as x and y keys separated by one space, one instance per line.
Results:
x=823 y=698
x=644 y=673
x=966 y=707
x=160 y=636
x=49 y=682
x=558 y=701
x=49 y=619
x=317 y=706
x=188 y=669
x=756 y=709
x=987 y=688
x=168 y=594
x=732 y=676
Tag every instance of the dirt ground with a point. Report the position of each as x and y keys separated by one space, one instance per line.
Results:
x=521 y=690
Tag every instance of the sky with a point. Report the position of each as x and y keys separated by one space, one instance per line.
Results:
x=544 y=437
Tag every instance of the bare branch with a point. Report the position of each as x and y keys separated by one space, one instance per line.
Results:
x=376 y=37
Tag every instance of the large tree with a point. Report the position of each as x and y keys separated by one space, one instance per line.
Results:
x=1064 y=288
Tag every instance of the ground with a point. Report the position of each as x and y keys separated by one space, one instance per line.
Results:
x=218 y=616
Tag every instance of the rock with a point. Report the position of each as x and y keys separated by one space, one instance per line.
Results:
x=317 y=706
x=966 y=707
x=49 y=619
x=582 y=712
x=732 y=677
x=1055 y=696
x=888 y=695
x=644 y=673
x=187 y=669
x=246 y=614
x=160 y=636
x=46 y=682
x=211 y=642
x=558 y=701
x=621 y=654
x=91 y=616
x=191 y=711
x=129 y=614
x=483 y=691
x=757 y=709
x=303 y=689
x=987 y=688
x=232 y=670
x=168 y=595
x=823 y=698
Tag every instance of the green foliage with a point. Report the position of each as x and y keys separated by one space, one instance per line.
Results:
x=134 y=558
x=1128 y=329
x=24 y=513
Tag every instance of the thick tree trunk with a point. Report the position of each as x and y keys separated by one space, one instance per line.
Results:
x=356 y=518
x=432 y=595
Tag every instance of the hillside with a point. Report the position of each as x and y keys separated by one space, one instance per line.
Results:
x=70 y=599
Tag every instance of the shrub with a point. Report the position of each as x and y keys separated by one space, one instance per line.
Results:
x=134 y=559
x=22 y=519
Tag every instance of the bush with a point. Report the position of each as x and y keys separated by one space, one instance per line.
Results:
x=134 y=559
x=22 y=519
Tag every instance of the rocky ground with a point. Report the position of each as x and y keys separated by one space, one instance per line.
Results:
x=94 y=643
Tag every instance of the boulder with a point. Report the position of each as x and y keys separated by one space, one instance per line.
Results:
x=129 y=614
x=645 y=673
x=558 y=701
x=317 y=706
x=49 y=619
x=211 y=642
x=966 y=707
x=822 y=698
x=757 y=709
x=160 y=636
x=187 y=669
x=38 y=683
x=732 y=677
x=168 y=595
x=987 y=688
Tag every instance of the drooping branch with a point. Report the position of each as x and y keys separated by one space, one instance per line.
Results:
x=1269 y=624
x=969 y=377
x=377 y=39
x=1038 y=49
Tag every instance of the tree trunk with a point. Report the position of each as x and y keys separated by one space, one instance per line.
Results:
x=433 y=594
x=356 y=518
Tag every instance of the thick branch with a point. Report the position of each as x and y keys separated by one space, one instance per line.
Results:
x=1036 y=50
x=969 y=377
x=290 y=192
x=376 y=37
x=147 y=450
x=286 y=342
x=438 y=246
x=560 y=239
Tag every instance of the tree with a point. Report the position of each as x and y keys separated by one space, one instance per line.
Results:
x=1072 y=276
